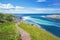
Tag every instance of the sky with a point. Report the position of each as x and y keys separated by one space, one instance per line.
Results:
x=30 y=6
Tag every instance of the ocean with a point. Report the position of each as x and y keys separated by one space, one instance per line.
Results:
x=50 y=25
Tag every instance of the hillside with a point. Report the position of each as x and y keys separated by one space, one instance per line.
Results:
x=37 y=33
x=8 y=30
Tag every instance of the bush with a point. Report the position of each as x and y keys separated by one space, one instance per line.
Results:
x=6 y=17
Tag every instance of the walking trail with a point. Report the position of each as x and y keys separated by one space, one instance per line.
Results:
x=24 y=34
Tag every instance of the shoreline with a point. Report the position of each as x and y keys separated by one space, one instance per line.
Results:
x=35 y=24
x=27 y=23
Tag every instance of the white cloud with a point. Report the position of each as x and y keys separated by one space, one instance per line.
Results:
x=19 y=7
x=47 y=9
x=9 y=8
x=6 y=6
x=41 y=1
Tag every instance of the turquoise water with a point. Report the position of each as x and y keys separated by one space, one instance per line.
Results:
x=49 y=25
x=44 y=22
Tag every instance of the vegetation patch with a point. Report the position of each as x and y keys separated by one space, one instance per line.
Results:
x=8 y=30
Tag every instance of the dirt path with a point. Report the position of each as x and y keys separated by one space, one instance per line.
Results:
x=24 y=34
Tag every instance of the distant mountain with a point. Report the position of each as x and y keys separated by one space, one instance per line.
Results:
x=53 y=16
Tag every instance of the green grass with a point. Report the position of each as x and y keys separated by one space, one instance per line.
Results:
x=8 y=31
x=37 y=33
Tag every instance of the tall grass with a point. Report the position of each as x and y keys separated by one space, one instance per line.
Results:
x=8 y=31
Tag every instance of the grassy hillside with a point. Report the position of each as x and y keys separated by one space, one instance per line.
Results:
x=8 y=32
x=37 y=33
x=7 y=28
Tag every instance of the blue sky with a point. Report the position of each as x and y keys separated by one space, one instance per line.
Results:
x=30 y=6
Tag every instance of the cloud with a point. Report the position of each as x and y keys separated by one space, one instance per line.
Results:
x=48 y=10
x=19 y=7
x=41 y=1
x=6 y=6
x=9 y=8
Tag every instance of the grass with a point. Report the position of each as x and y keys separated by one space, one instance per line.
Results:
x=8 y=31
x=37 y=33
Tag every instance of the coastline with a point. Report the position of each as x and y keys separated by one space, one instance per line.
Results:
x=38 y=26
x=33 y=24
x=34 y=29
